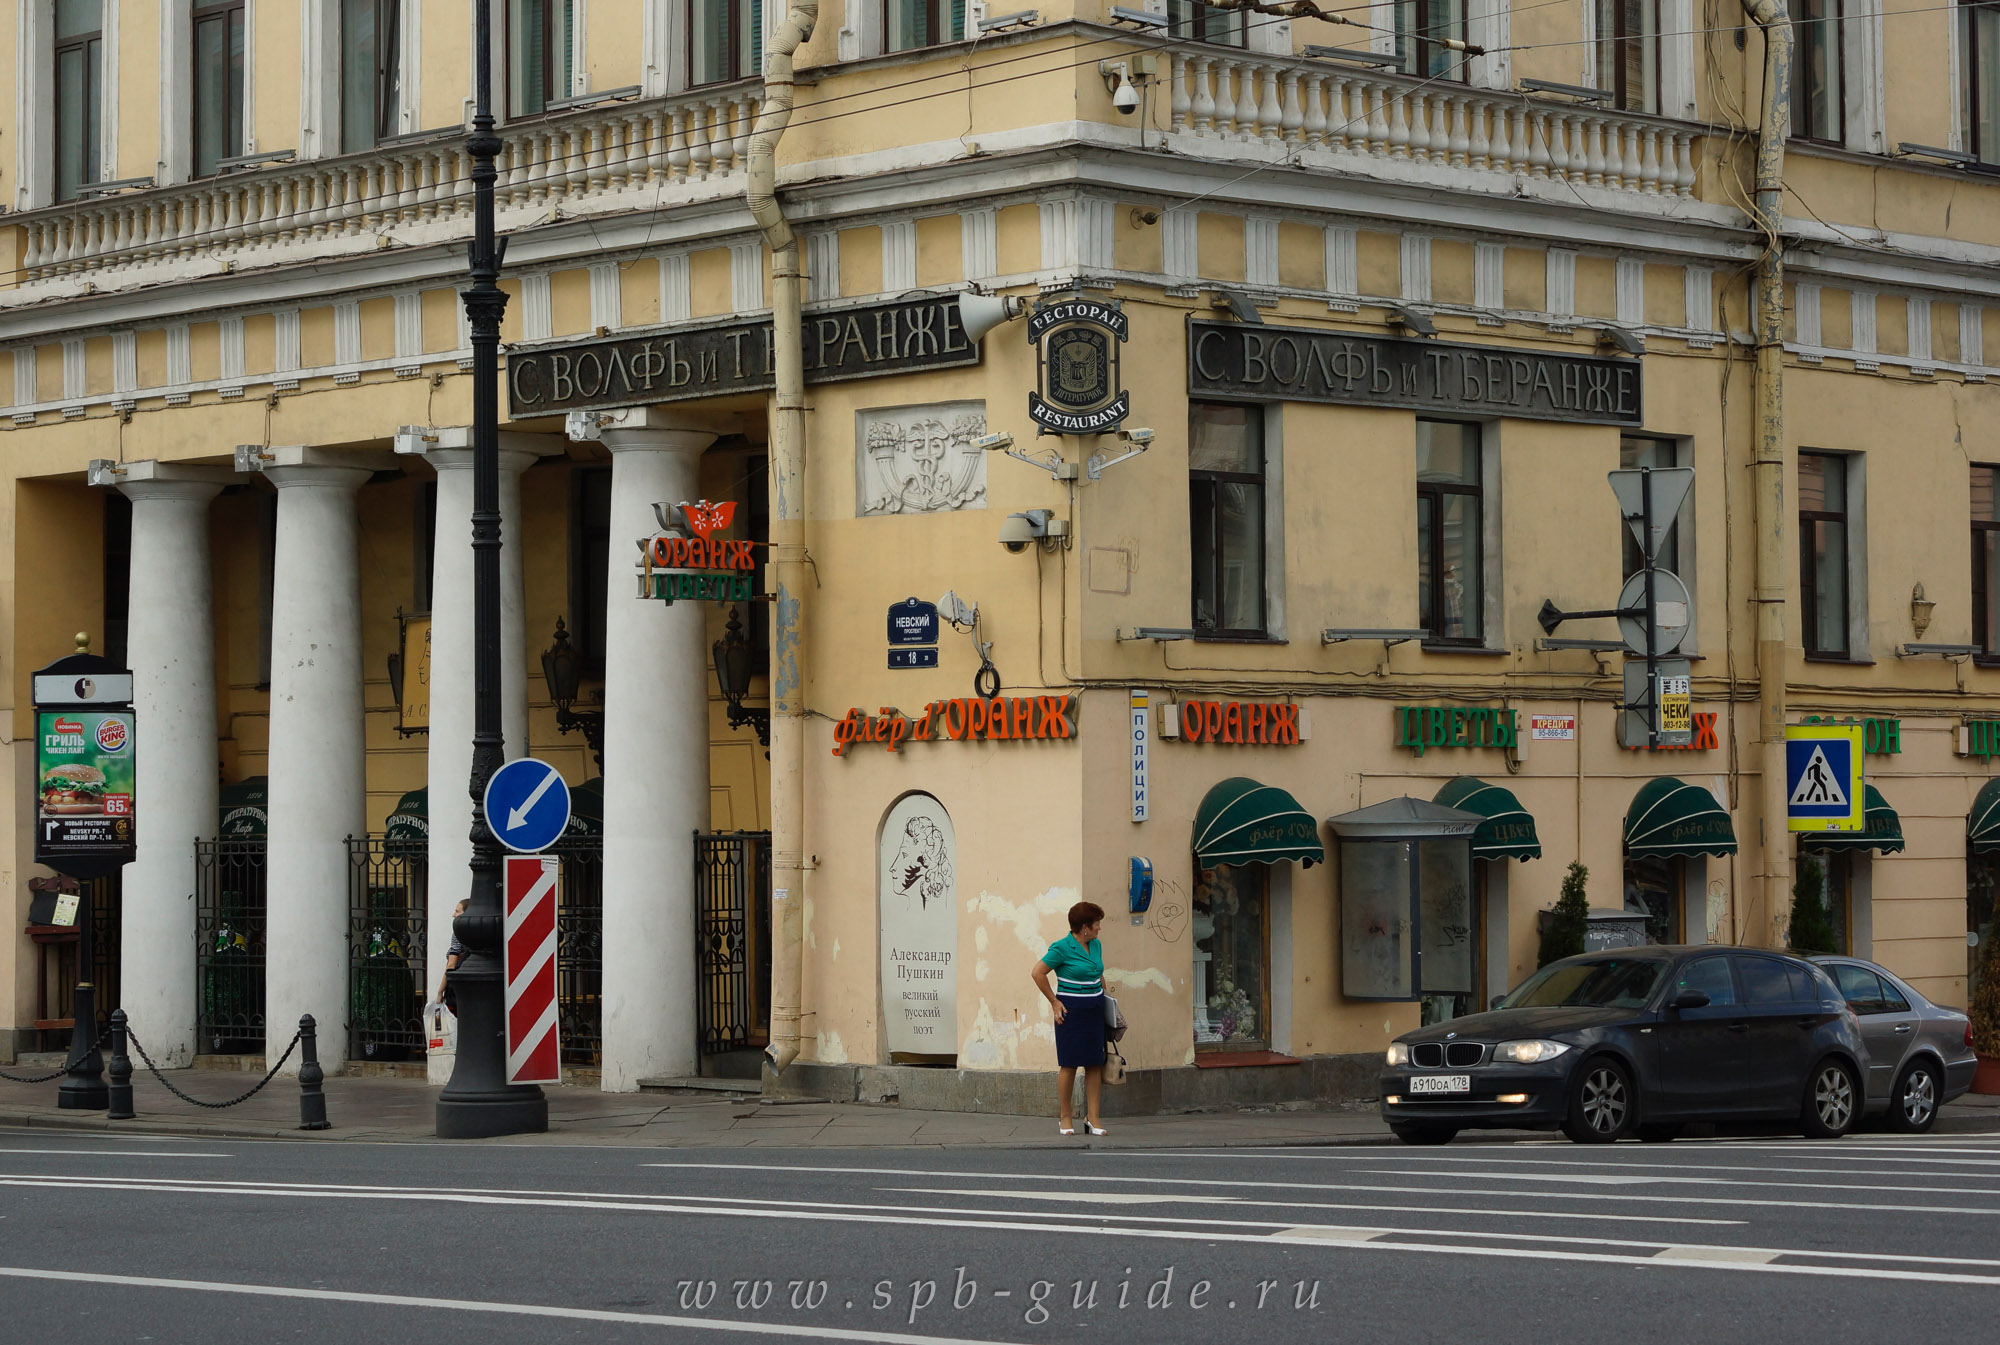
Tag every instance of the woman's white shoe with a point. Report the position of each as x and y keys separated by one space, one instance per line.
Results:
x=1098 y=1130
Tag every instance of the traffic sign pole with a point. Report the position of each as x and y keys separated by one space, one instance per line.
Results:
x=1652 y=611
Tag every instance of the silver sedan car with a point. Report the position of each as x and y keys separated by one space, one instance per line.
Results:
x=1919 y=1054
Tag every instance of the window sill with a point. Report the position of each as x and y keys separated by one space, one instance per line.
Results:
x=1476 y=650
x=1841 y=658
x=1226 y=637
x=1986 y=660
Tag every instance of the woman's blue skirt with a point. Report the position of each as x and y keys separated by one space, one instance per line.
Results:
x=1080 y=1035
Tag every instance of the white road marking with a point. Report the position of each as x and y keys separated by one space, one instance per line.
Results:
x=108 y=1153
x=1551 y=1248
x=1358 y=1186
x=1615 y=1164
x=491 y=1308
x=1119 y=1198
x=1735 y=1255
x=1566 y=1178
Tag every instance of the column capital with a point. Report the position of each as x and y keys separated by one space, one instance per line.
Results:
x=153 y=480
x=648 y=428
x=451 y=446
x=335 y=463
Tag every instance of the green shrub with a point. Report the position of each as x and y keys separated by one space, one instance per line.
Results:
x=1985 y=1007
x=1570 y=919
x=1811 y=928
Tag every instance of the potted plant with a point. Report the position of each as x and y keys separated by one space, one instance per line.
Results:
x=1568 y=923
x=1811 y=929
x=1985 y=1014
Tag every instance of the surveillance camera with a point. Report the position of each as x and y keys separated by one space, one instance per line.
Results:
x=999 y=439
x=1022 y=530
x=1140 y=436
x=1126 y=100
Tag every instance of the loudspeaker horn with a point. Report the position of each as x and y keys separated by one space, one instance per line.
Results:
x=981 y=313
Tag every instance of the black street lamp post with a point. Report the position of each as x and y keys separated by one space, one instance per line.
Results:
x=478 y=1102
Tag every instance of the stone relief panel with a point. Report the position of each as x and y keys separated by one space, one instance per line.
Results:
x=919 y=459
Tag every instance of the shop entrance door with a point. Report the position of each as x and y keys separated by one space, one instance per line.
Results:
x=1232 y=959
x=229 y=904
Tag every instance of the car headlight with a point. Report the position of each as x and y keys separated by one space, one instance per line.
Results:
x=1528 y=1052
x=1399 y=1054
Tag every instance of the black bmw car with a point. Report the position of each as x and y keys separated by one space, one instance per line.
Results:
x=1635 y=1042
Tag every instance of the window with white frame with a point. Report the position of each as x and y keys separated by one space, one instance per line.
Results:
x=371 y=71
x=725 y=40
x=1192 y=21
x=540 y=54
x=910 y=24
x=1422 y=29
x=1819 y=52
x=79 y=89
x=218 y=84
x=1628 y=53
x=1979 y=78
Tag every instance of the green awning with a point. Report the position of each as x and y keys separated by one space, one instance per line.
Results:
x=410 y=819
x=1983 y=827
x=1243 y=822
x=1881 y=829
x=1509 y=829
x=1672 y=817
x=586 y=808
x=243 y=812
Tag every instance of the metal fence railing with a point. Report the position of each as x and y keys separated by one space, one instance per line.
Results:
x=388 y=894
x=580 y=948
x=230 y=903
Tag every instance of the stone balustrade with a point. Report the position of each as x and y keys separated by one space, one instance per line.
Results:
x=596 y=151
x=1245 y=99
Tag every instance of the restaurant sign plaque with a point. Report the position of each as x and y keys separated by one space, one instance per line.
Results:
x=719 y=358
x=1309 y=364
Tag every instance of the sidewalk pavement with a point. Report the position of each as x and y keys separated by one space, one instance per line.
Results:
x=398 y=1110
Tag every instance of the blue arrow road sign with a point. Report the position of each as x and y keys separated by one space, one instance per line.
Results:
x=527 y=805
x=1823 y=777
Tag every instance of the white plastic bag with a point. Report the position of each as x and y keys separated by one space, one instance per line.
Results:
x=441 y=1029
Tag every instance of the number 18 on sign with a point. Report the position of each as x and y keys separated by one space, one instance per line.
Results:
x=533 y=1054
x=1823 y=777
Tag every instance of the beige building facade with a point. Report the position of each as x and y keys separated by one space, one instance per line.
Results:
x=1393 y=296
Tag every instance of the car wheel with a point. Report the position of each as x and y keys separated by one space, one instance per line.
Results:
x=1832 y=1102
x=1913 y=1105
x=1658 y=1134
x=1600 y=1102
x=1412 y=1132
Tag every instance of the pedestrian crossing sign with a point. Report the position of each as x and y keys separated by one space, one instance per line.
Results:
x=1823 y=777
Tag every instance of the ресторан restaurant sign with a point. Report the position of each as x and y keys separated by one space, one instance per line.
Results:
x=1306 y=364
x=731 y=357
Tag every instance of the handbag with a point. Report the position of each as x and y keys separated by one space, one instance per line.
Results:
x=1114 y=1021
x=1114 y=1065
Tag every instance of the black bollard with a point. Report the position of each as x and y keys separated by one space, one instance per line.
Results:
x=120 y=1070
x=312 y=1100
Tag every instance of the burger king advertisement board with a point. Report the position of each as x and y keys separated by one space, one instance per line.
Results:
x=85 y=786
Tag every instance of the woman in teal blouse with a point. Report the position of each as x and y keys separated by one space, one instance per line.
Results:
x=1076 y=961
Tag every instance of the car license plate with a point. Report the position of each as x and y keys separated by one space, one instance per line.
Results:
x=1441 y=1083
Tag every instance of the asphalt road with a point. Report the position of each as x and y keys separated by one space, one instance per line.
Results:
x=1773 y=1240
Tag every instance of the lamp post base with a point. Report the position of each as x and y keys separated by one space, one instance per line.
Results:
x=521 y=1110
x=84 y=1089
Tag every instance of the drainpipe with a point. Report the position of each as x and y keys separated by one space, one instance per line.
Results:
x=787 y=554
x=1771 y=16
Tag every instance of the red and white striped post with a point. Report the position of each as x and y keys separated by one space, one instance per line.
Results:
x=533 y=1043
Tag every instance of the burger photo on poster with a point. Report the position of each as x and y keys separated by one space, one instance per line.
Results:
x=72 y=790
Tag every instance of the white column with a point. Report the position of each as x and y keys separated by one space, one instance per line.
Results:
x=656 y=661
x=171 y=650
x=450 y=736
x=317 y=744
